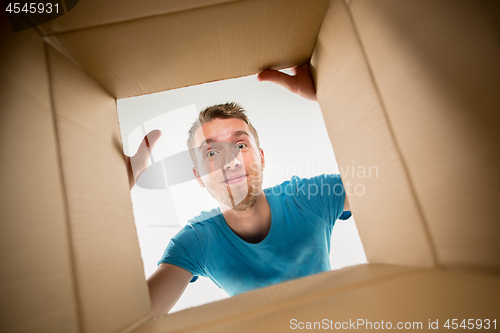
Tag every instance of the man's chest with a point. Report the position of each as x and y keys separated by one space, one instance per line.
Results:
x=293 y=248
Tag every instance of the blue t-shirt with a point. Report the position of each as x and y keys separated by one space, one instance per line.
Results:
x=303 y=213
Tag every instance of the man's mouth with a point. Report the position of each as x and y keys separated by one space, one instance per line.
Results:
x=234 y=179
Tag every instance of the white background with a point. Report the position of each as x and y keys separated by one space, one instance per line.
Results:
x=292 y=134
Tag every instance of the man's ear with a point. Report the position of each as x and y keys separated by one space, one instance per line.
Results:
x=198 y=178
x=262 y=159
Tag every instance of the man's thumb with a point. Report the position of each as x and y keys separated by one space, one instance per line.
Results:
x=283 y=79
x=151 y=138
x=147 y=144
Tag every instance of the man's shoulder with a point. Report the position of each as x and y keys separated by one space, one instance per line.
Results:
x=199 y=228
x=299 y=182
x=322 y=195
x=204 y=219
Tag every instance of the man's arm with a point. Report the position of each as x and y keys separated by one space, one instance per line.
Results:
x=300 y=83
x=168 y=282
x=166 y=286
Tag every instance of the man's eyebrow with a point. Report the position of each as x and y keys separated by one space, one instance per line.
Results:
x=234 y=135
x=240 y=133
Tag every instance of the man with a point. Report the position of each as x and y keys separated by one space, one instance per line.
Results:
x=256 y=237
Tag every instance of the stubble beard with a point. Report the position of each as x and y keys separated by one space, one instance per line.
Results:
x=254 y=189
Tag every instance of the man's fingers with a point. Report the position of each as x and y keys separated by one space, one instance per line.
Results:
x=151 y=138
x=300 y=83
x=148 y=143
x=139 y=162
x=274 y=76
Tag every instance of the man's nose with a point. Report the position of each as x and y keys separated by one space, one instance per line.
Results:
x=232 y=161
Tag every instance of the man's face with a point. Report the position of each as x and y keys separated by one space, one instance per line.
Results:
x=229 y=163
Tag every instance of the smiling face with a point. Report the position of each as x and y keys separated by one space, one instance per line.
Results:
x=229 y=162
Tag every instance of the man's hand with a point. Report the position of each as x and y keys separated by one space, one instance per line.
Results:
x=300 y=83
x=139 y=162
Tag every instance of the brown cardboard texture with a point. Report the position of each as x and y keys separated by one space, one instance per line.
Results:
x=361 y=136
x=36 y=276
x=102 y=230
x=407 y=86
x=437 y=71
x=371 y=293
x=211 y=43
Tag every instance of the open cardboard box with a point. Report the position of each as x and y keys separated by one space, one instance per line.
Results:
x=408 y=86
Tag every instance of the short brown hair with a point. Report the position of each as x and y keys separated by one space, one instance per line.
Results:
x=219 y=111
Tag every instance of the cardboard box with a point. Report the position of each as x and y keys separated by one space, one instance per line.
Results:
x=408 y=86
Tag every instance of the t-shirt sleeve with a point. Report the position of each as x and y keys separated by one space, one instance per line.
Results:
x=185 y=250
x=324 y=195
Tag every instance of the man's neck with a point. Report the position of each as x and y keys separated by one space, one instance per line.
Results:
x=253 y=224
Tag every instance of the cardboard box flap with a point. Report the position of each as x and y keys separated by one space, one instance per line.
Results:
x=380 y=192
x=371 y=293
x=37 y=291
x=436 y=65
x=93 y=13
x=110 y=281
x=196 y=46
x=271 y=300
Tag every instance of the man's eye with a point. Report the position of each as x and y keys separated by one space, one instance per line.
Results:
x=241 y=145
x=211 y=153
